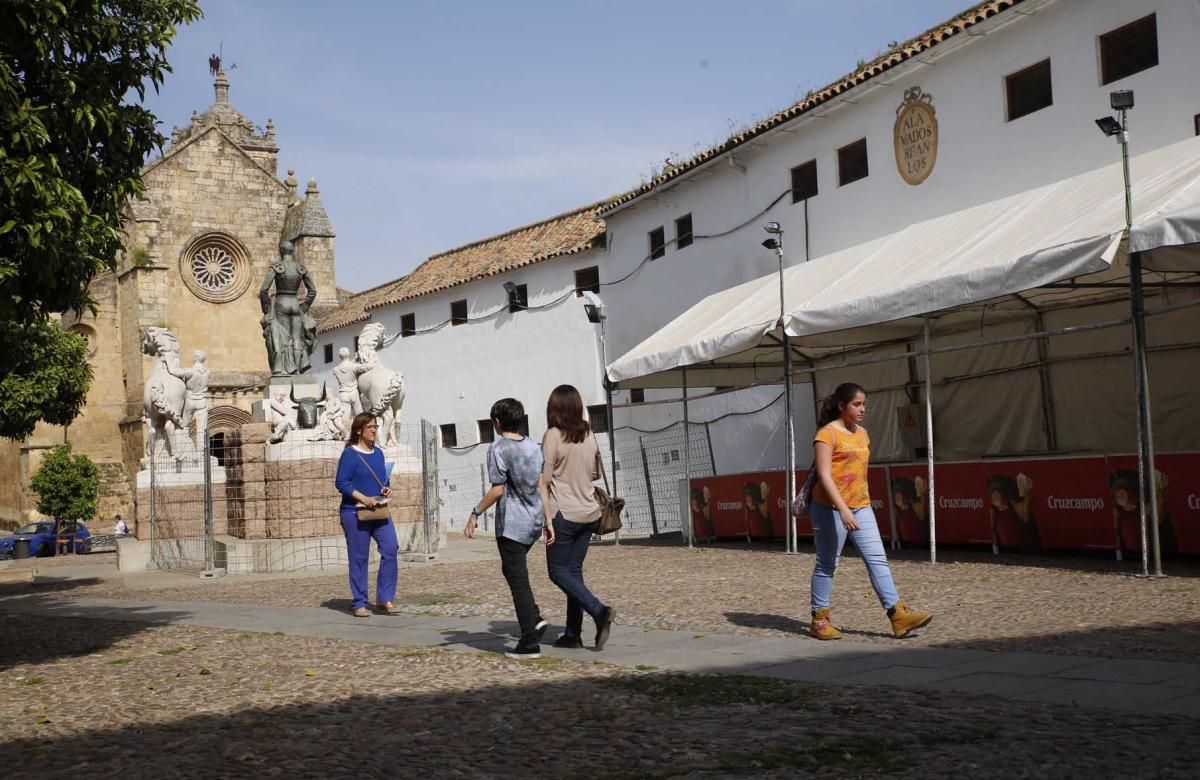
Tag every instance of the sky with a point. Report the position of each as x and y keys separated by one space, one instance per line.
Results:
x=433 y=124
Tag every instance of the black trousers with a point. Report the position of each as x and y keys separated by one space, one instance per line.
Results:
x=512 y=564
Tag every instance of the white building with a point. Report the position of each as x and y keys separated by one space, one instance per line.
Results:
x=1015 y=86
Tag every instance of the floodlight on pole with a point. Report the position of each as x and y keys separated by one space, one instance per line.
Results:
x=593 y=307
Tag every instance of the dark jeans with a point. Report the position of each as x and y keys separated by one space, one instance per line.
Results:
x=512 y=563
x=564 y=558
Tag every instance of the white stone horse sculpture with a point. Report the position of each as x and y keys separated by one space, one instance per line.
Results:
x=380 y=388
x=164 y=394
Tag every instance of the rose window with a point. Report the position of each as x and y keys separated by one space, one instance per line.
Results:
x=215 y=267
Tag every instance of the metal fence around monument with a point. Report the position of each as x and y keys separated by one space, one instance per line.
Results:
x=247 y=505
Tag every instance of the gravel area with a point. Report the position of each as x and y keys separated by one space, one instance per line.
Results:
x=1067 y=606
x=86 y=698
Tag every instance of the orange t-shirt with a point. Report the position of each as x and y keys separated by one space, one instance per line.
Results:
x=851 y=452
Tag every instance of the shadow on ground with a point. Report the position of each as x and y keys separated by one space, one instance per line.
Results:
x=68 y=638
x=463 y=723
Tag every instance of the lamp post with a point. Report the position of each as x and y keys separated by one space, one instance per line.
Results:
x=594 y=308
x=1121 y=101
x=775 y=242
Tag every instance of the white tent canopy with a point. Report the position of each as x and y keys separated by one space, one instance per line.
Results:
x=881 y=290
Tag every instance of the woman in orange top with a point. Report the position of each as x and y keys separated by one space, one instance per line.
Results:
x=841 y=507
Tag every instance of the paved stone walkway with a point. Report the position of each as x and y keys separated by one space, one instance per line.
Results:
x=1131 y=685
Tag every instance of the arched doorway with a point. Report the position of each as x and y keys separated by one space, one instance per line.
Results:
x=223 y=420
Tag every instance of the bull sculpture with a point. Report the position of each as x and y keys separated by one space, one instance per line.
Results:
x=308 y=410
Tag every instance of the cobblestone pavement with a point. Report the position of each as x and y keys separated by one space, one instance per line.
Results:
x=1069 y=606
x=91 y=698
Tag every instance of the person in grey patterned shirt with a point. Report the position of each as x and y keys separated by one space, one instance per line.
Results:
x=515 y=471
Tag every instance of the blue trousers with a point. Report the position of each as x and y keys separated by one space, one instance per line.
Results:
x=830 y=536
x=564 y=559
x=358 y=547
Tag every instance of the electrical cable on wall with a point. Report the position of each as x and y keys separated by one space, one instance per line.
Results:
x=575 y=291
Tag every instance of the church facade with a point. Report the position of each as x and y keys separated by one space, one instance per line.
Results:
x=197 y=247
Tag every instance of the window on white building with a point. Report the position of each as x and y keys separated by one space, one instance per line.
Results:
x=852 y=162
x=458 y=313
x=658 y=243
x=1129 y=49
x=449 y=435
x=683 y=231
x=598 y=415
x=328 y=353
x=587 y=280
x=519 y=299
x=487 y=432
x=637 y=396
x=408 y=325
x=1029 y=90
x=804 y=181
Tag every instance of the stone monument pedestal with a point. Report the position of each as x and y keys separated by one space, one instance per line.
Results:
x=178 y=486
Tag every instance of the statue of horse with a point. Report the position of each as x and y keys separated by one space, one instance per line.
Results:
x=164 y=394
x=380 y=388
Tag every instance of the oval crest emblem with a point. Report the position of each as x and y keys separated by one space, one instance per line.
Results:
x=916 y=136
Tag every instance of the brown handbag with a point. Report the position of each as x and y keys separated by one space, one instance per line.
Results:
x=379 y=512
x=610 y=506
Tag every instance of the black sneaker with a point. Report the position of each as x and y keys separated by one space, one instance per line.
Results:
x=540 y=629
x=524 y=653
x=569 y=642
x=604 y=626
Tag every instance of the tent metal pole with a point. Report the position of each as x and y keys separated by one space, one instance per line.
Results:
x=685 y=506
x=612 y=448
x=1147 y=486
x=790 y=455
x=931 y=500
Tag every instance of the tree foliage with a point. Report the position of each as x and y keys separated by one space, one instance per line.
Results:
x=45 y=376
x=67 y=485
x=72 y=143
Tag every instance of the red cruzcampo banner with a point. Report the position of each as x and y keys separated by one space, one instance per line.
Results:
x=1028 y=504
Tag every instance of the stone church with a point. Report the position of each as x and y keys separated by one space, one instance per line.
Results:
x=197 y=247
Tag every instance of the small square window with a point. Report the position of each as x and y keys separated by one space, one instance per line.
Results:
x=408 y=325
x=449 y=435
x=598 y=415
x=683 y=231
x=487 y=432
x=852 y=162
x=658 y=243
x=587 y=280
x=1129 y=49
x=1029 y=90
x=804 y=181
x=637 y=396
x=1196 y=122
x=458 y=313
x=518 y=299
x=328 y=353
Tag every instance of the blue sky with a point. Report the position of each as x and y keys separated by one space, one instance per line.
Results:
x=433 y=124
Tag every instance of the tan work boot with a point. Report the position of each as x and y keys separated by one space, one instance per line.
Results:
x=821 y=627
x=905 y=620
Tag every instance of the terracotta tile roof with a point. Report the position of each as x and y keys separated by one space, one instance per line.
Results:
x=566 y=234
x=901 y=53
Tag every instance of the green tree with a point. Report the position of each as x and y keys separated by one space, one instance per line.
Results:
x=67 y=485
x=73 y=138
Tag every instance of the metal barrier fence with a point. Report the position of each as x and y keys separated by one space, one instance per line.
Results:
x=648 y=470
x=240 y=503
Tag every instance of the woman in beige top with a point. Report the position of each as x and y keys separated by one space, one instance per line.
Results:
x=572 y=460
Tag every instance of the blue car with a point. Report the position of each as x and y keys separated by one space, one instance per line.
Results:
x=42 y=534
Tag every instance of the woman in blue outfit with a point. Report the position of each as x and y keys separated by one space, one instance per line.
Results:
x=362 y=481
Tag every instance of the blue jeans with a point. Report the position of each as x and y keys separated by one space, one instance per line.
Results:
x=358 y=547
x=564 y=559
x=830 y=536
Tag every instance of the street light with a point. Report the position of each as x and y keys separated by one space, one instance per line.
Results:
x=595 y=310
x=1121 y=101
x=775 y=243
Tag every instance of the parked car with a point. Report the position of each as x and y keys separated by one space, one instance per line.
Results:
x=42 y=536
